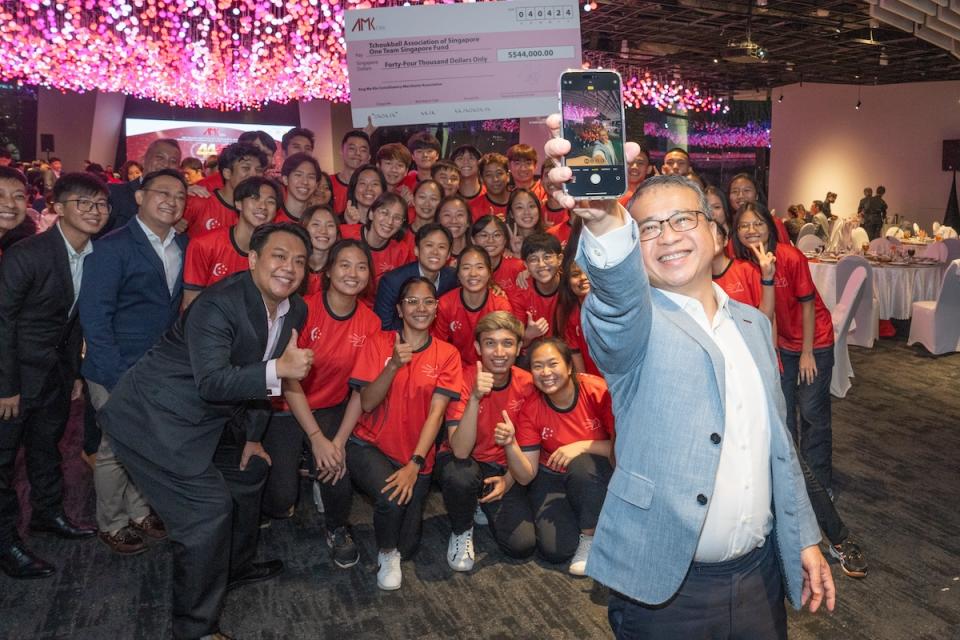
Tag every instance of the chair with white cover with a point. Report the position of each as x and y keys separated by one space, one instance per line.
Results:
x=893 y=232
x=865 y=329
x=806 y=230
x=946 y=232
x=809 y=243
x=936 y=323
x=880 y=246
x=860 y=237
x=953 y=248
x=842 y=315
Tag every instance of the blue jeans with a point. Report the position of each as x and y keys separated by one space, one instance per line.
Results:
x=814 y=437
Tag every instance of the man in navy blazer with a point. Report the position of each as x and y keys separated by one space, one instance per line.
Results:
x=163 y=153
x=706 y=526
x=433 y=242
x=131 y=294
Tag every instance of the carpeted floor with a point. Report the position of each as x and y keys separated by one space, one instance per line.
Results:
x=896 y=440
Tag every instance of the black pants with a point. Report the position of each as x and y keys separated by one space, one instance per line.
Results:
x=395 y=526
x=741 y=599
x=812 y=430
x=213 y=523
x=564 y=504
x=39 y=430
x=823 y=508
x=873 y=227
x=510 y=517
x=284 y=441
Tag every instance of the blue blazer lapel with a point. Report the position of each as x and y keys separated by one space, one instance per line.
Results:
x=182 y=240
x=689 y=326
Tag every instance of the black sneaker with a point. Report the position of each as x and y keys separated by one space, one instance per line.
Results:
x=345 y=552
x=851 y=559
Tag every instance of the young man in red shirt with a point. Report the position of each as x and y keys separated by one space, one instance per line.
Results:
x=223 y=252
x=425 y=149
x=394 y=160
x=297 y=140
x=237 y=162
x=300 y=174
x=496 y=178
x=536 y=304
x=522 y=164
x=473 y=468
x=448 y=175
x=467 y=159
x=354 y=153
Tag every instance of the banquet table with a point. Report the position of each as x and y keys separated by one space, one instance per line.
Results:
x=896 y=287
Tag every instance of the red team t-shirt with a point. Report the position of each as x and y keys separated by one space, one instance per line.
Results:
x=530 y=299
x=510 y=398
x=206 y=214
x=394 y=425
x=794 y=285
x=455 y=321
x=505 y=275
x=741 y=281
x=540 y=425
x=562 y=232
x=211 y=258
x=392 y=255
x=573 y=336
x=338 y=199
x=553 y=217
x=337 y=343
x=482 y=205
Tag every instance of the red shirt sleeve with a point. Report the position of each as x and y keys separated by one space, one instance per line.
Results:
x=372 y=360
x=525 y=424
x=196 y=266
x=450 y=376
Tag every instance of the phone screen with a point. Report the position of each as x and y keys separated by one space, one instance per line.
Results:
x=592 y=108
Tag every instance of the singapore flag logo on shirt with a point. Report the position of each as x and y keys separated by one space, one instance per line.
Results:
x=315 y=334
x=455 y=325
x=212 y=224
x=219 y=269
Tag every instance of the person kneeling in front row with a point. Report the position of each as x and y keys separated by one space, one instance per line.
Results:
x=561 y=447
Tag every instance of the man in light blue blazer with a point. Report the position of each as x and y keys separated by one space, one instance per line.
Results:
x=130 y=296
x=706 y=525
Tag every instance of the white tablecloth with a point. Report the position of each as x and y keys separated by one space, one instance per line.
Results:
x=895 y=287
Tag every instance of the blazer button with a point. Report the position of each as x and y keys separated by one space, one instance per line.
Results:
x=715 y=438
x=702 y=499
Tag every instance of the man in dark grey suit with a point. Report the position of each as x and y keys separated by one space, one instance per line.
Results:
x=163 y=153
x=166 y=421
x=40 y=363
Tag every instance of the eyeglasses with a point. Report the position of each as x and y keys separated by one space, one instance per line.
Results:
x=680 y=222
x=489 y=235
x=86 y=206
x=166 y=195
x=746 y=226
x=547 y=258
x=429 y=303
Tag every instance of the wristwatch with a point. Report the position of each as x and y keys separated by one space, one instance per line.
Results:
x=417 y=460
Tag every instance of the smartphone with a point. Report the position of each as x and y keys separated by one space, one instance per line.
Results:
x=592 y=109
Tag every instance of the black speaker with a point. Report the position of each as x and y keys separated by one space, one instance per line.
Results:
x=46 y=142
x=951 y=155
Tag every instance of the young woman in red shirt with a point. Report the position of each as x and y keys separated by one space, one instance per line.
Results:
x=366 y=185
x=804 y=337
x=524 y=218
x=460 y=310
x=405 y=380
x=426 y=198
x=490 y=233
x=560 y=444
x=324 y=231
x=453 y=213
x=472 y=466
x=337 y=330
x=574 y=287
x=385 y=236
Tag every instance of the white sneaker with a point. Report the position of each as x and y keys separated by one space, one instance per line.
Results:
x=578 y=566
x=317 y=497
x=480 y=518
x=388 y=570
x=460 y=551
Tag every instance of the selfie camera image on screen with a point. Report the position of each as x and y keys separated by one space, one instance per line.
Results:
x=592 y=110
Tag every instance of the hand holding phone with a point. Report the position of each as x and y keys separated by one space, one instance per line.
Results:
x=591 y=106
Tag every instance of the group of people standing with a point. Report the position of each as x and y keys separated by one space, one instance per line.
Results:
x=448 y=322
